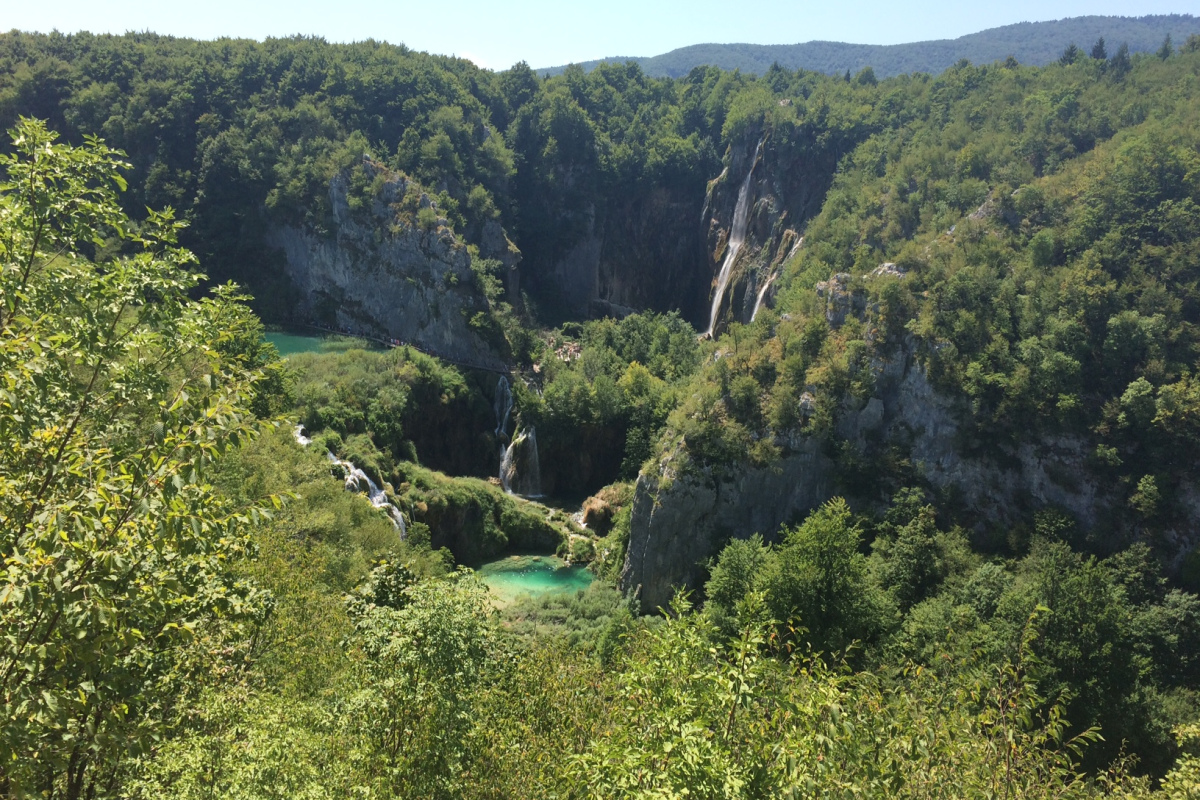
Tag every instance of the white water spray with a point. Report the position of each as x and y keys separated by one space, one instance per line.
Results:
x=298 y=435
x=358 y=481
x=761 y=294
x=737 y=236
x=524 y=479
x=503 y=406
x=799 y=243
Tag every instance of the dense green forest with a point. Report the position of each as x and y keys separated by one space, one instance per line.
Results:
x=192 y=605
x=1036 y=43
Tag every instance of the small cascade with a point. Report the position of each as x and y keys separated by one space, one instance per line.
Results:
x=298 y=435
x=762 y=293
x=503 y=407
x=533 y=477
x=506 y=465
x=737 y=237
x=799 y=243
x=358 y=481
x=520 y=468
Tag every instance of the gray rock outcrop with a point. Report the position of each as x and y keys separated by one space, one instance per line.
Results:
x=679 y=521
x=377 y=272
x=683 y=517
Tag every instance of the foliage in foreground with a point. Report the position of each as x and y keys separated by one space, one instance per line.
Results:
x=117 y=392
x=683 y=711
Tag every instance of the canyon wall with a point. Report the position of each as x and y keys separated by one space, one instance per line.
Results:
x=377 y=272
x=683 y=517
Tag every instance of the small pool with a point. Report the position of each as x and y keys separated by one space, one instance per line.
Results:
x=513 y=576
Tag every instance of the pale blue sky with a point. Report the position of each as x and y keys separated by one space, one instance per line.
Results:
x=546 y=33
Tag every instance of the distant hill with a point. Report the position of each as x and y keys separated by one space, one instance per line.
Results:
x=1029 y=42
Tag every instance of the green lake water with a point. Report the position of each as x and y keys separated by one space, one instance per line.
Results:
x=289 y=344
x=513 y=576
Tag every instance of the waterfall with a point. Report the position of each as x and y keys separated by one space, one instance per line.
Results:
x=298 y=435
x=506 y=464
x=799 y=243
x=520 y=468
x=533 y=472
x=761 y=294
x=737 y=236
x=503 y=406
x=358 y=481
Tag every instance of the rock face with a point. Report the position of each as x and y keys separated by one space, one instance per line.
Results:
x=625 y=254
x=681 y=520
x=381 y=274
x=905 y=407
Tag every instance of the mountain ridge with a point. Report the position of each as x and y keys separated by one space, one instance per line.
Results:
x=1036 y=43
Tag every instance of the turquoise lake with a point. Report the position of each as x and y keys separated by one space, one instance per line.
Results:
x=509 y=578
x=290 y=343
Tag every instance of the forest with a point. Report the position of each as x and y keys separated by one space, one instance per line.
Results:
x=941 y=435
x=1034 y=43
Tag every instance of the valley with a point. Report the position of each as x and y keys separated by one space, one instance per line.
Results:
x=376 y=425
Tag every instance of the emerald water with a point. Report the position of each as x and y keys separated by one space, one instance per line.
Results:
x=289 y=344
x=513 y=576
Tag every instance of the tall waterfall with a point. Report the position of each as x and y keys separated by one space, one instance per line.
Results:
x=520 y=468
x=737 y=236
x=761 y=294
x=503 y=406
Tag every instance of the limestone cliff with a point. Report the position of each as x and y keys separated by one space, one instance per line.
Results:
x=612 y=255
x=378 y=272
x=682 y=517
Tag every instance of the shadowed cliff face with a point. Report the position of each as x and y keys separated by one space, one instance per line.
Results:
x=378 y=273
x=618 y=255
x=609 y=255
x=681 y=520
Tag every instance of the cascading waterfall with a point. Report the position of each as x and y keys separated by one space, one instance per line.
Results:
x=799 y=243
x=762 y=293
x=301 y=439
x=737 y=236
x=533 y=470
x=506 y=464
x=358 y=481
x=520 y=468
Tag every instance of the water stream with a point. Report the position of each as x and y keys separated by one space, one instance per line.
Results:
x=520 y=467
x=737 y=237
x=358 y=481
x=761 y=294
x=503 y=407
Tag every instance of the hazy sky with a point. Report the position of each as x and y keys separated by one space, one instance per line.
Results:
x=545 y=33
